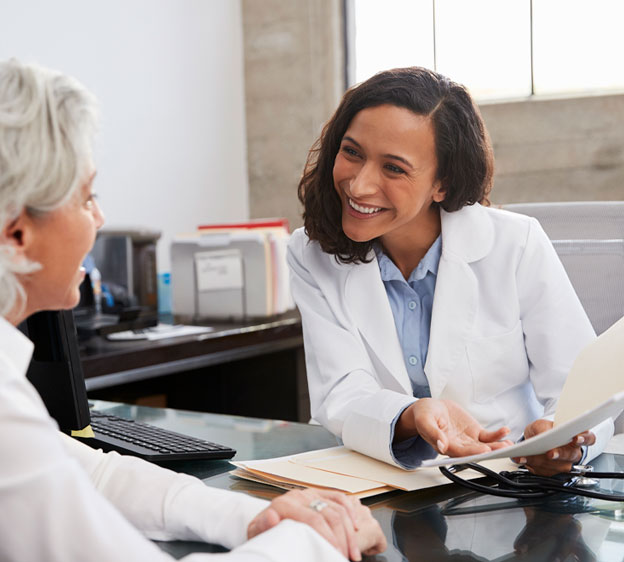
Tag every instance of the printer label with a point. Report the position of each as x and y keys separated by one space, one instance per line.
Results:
x=219 y=269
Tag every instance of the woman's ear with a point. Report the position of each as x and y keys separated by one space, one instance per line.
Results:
x=17 y=234
x=439 y=193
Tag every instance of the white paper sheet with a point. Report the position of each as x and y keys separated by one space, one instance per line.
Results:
x=597 y=374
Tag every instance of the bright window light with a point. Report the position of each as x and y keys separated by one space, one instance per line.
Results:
x=497 y=48
x=392 y=34
x=485 y=45
x=578 y=45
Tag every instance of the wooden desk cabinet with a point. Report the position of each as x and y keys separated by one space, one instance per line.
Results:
x=253 y=369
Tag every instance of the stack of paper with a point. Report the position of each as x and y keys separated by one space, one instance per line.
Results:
x=339 y=468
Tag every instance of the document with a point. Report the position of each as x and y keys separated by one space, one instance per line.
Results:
x=593 y=392
x=347 y=462
x=596 y=376
x=339 y=468
x=293 y=472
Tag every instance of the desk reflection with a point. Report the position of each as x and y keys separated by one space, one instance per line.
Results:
x=476 y=528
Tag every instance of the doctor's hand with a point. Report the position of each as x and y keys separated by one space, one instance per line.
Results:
x=556 y=460
x=343 y=521
x=448 y=428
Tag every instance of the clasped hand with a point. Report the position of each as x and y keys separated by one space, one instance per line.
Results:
x=343 y=521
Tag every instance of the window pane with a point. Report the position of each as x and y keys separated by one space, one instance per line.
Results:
x=578 y=45
x=485 y=45
x=392 y=34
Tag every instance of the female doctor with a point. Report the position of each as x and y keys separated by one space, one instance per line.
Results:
x=432 y=322
x=62 y=500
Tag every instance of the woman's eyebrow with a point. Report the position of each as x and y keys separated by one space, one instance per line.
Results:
x=399 y=158
x=391 y=156
x=351 y=140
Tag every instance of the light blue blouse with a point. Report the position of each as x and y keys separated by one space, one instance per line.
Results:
x=411 y=302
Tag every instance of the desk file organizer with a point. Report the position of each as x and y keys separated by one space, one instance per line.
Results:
x=231 y=272
x=56 y=373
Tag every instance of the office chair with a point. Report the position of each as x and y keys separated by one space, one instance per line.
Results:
x=589 y=239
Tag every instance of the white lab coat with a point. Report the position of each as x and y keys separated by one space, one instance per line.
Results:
x=506 y=327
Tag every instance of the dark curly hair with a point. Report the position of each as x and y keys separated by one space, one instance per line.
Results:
x=463 y=151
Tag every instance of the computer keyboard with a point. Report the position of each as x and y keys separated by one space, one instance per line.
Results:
x=149 y=442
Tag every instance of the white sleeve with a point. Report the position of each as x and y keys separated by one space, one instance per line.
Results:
x=166 y=505
x=554 y=322
x=52 y=511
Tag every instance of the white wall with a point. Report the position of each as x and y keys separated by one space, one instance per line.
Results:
x=171 y=152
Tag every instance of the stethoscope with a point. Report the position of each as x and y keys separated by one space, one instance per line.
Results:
x=582 y=480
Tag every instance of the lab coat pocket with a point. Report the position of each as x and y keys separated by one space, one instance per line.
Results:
x=497 y=363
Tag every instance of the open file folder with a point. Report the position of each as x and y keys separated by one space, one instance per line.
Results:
x=339 y=468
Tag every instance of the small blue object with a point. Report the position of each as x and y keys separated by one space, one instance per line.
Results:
x=88 y=263
x=164 y=293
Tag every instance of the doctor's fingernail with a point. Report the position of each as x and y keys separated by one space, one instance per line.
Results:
x=554 y=456
x=522 y=460
x=580 y=439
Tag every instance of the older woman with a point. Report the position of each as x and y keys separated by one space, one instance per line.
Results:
x=60 y=499
x=431 y=321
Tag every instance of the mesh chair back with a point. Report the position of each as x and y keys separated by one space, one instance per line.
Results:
x=589 y=239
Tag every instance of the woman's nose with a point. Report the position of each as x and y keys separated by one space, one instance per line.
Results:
x=98 y=215
x=365 y=182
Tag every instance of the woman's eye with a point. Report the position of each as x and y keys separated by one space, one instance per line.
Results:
x=90 y=200
x=350 y=151
x=394 y=169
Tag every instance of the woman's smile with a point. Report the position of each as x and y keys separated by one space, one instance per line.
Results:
x=362 y=211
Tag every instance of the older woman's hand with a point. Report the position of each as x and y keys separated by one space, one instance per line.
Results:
x=556 y=460
x=343 y=521
x=448 y=428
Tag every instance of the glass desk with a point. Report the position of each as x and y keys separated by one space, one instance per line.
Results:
x=443 y=523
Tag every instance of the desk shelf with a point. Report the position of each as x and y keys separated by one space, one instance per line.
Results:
x=254 y=368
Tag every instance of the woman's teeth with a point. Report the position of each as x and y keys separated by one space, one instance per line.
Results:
x=364 y=210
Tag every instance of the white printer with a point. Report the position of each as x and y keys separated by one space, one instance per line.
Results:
x=232 y=274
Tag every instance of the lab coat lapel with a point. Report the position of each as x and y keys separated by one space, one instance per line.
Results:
x=452 y=317
x=366 y=298
x=467 y=236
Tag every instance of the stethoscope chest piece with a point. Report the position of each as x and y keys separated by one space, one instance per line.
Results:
x=586 y=482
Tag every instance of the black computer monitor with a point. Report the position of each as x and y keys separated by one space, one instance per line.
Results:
x=56 y=372
x=55 y=369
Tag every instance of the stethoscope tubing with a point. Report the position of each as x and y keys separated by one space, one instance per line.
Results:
x=532 y=486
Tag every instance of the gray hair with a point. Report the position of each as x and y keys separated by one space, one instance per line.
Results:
x=47 y=122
